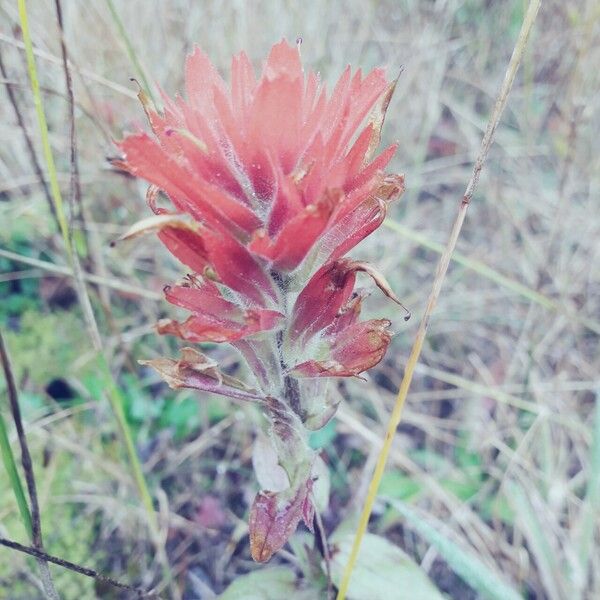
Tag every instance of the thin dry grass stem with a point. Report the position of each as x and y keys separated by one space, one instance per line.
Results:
x=112 y=283
x=129 y=47
x=28 y=142
x=10 y=465
x=25 y=454
x=75 y=199
x=486 y=271
x=88 y=74
x=36 y=527
x=41 y=555
x=442 y=269
x=75 y=203
x=113 y=392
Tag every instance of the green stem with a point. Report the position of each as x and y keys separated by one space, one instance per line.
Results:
x=129 y=47
x=10 y=465
x=43 y=125
x=116 y=400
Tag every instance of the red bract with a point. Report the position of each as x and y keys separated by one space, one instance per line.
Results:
x=271 y=182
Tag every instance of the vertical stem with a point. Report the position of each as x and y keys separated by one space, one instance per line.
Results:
x=13 y=475
x=442 y=268
x=129 y=47
x=43 y=126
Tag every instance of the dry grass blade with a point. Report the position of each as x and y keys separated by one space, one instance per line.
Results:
x=28 y=142
x=541 y=541
x=583 y=532
x=484 y=270
x=117 y=400
x=112 y=283
x=442 y=268
x=462 y=561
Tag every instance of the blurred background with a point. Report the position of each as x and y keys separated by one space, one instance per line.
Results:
x=498 y=455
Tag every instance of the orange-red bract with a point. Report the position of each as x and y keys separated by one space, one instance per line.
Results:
x=279 y=180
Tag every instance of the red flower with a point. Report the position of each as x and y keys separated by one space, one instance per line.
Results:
x=271 y=181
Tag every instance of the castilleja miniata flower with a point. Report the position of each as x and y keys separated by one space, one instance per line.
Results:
x=271 y=182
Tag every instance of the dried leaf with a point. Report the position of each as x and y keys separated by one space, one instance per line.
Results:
x=274 y=518
x=157 y=223
x=197 y=371
x=381 y=282
x=145 y=102
x=390 y=188
x=377 y=118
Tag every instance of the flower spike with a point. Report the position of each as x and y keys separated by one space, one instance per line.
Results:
x=271 y=182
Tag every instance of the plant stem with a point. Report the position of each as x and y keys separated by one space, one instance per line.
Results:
x=129 y=47
x=42 y=124
x=442 y=268
x=13 y=475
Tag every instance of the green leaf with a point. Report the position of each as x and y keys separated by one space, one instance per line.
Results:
x=497 y=507
x=397 y=485
x=382 y=570
x=10 y=465
x=183 y=416
x=542 y=542
x=463 y=489
x=583 y=532
x=464 y=563
x=272 y=583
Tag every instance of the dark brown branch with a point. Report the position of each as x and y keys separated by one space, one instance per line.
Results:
x=75 y=196
x=39 y=554
x=36 y=528
x=36 y=532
